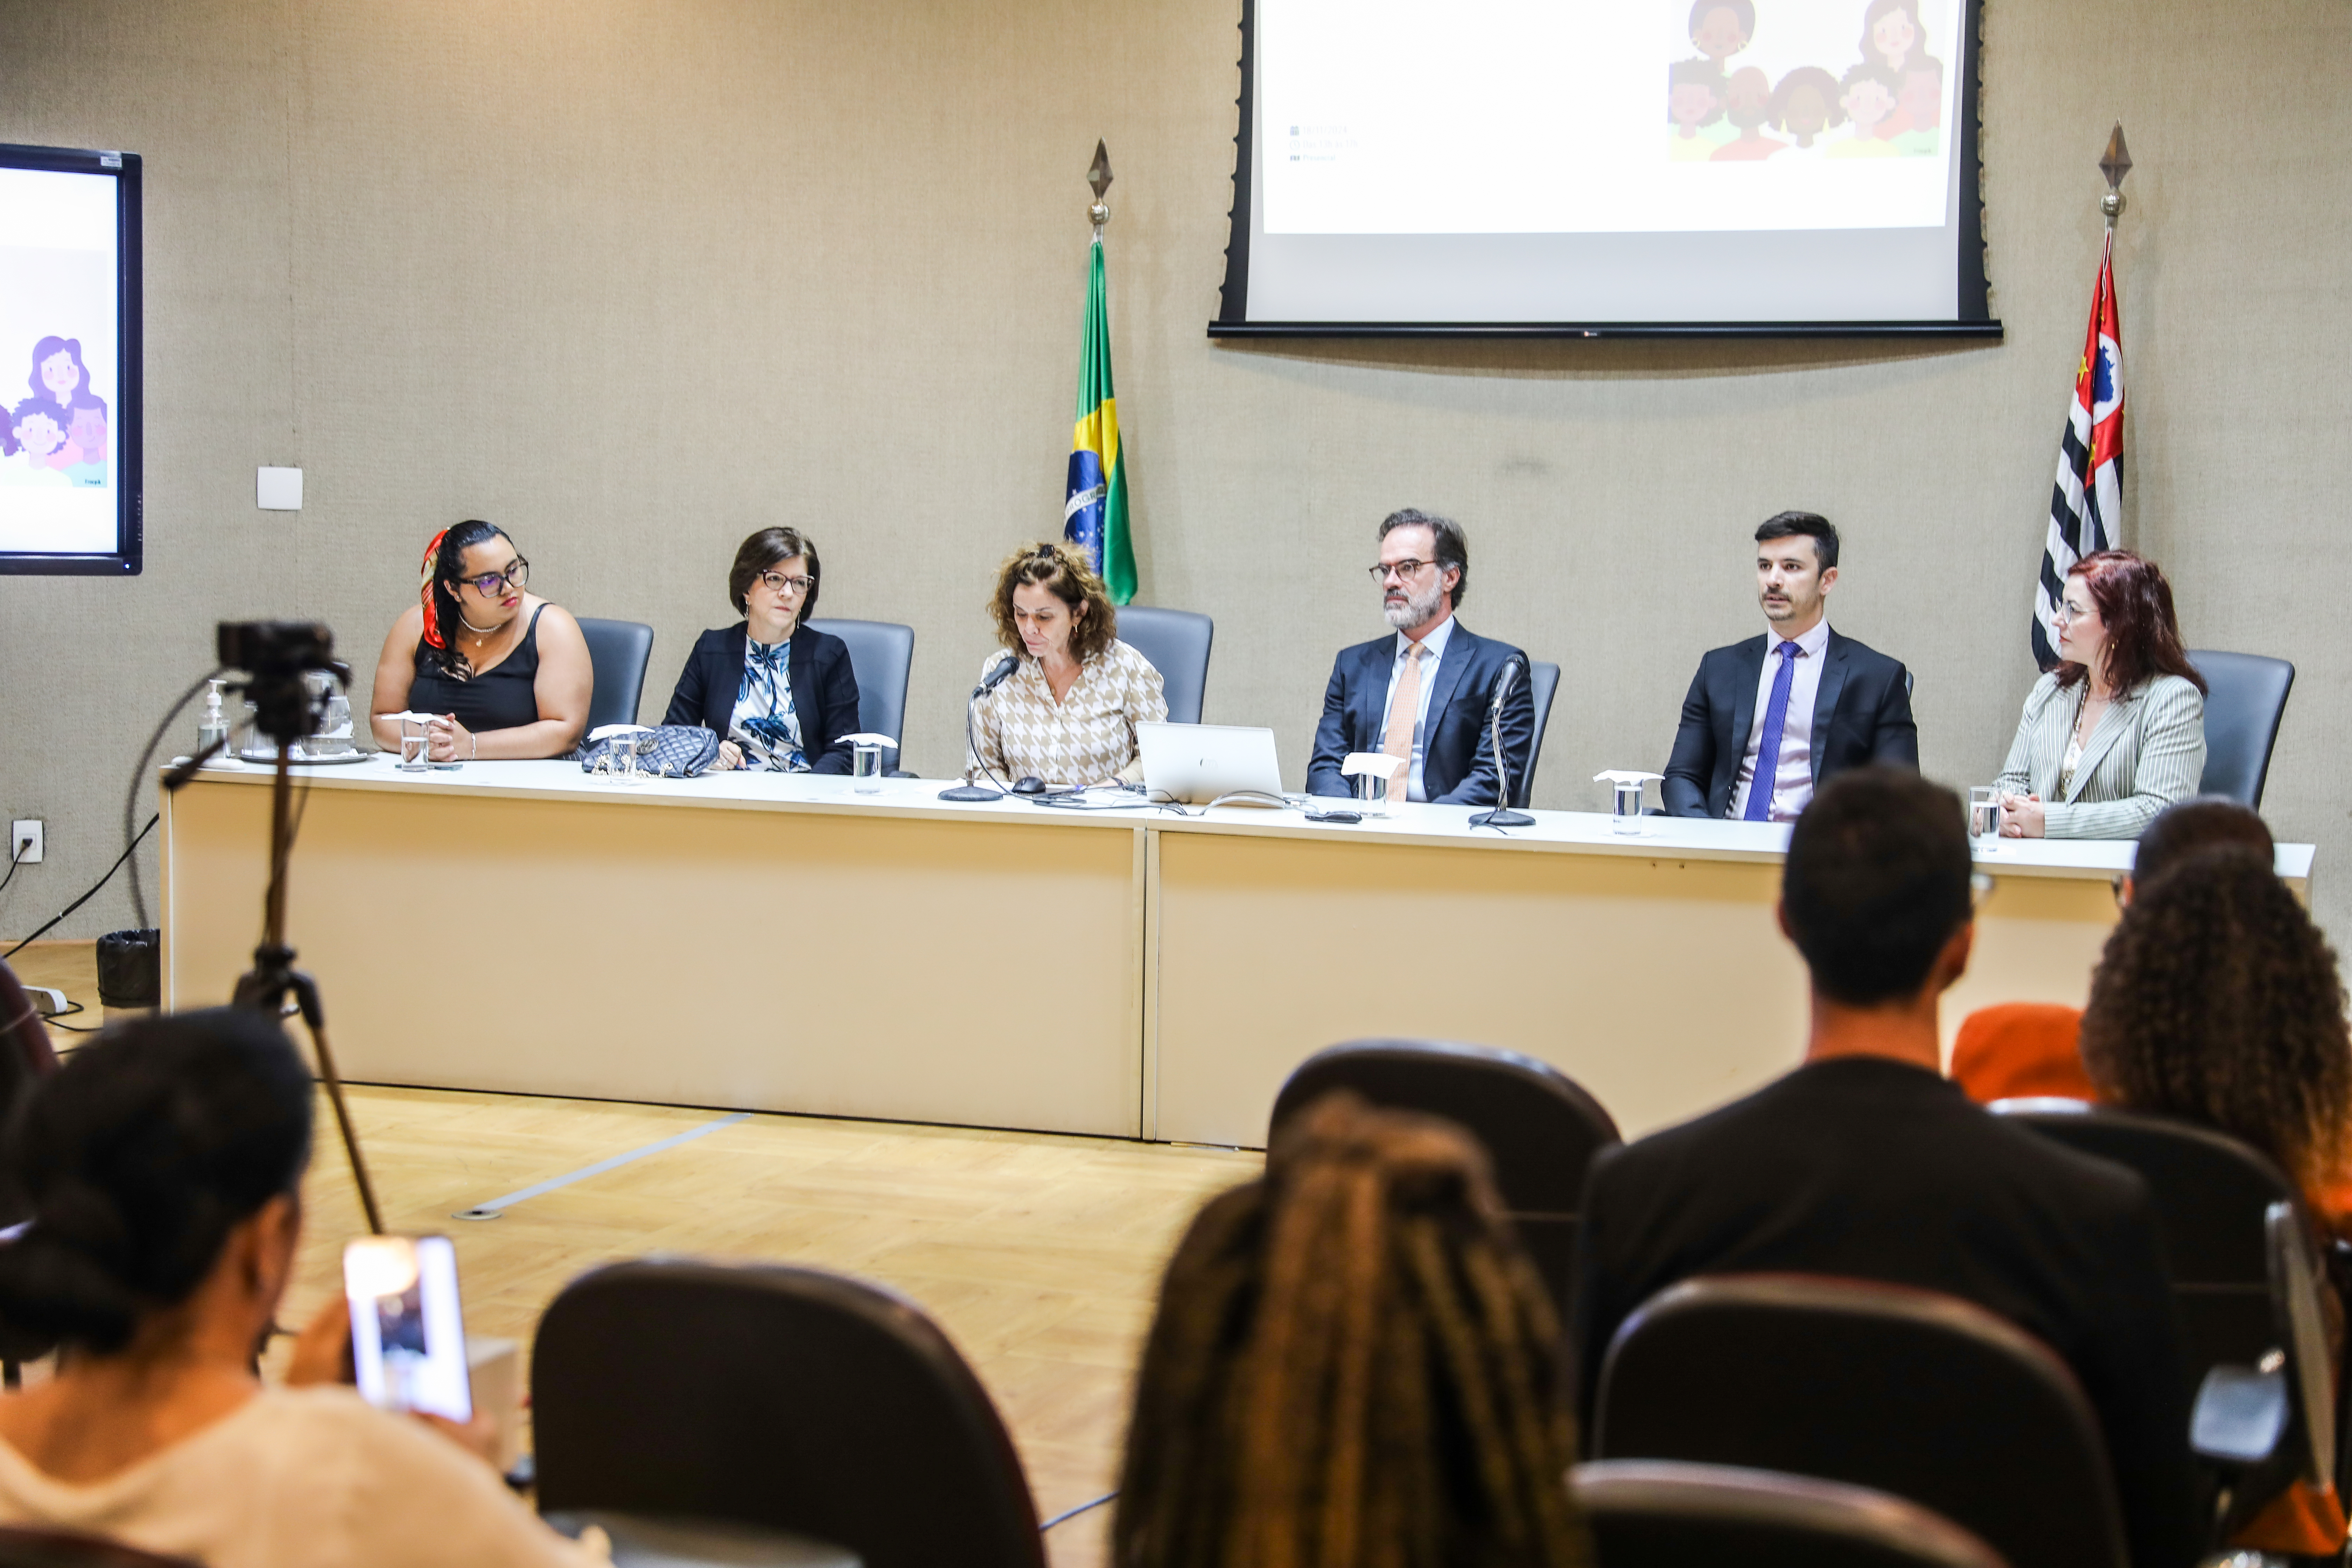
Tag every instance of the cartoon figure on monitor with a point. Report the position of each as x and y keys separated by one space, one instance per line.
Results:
x=61 y=377
x=1694 y=95
x=1806 y=103
x=1895 y=35
x=1748 y=104
x=1868 y=96
x=1721 y=28
x=45 y=447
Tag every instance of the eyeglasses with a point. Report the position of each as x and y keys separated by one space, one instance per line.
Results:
x=2066 y=612
x=517 y=574
x=777 y=582
x=1403 y=569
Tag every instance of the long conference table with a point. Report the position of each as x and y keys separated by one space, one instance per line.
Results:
x=781 y=942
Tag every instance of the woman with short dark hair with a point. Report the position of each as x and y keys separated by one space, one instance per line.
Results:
x=1067 y=714
x=779 y=695
x=163 y=1166
x=2116 y=731
x=504 y=673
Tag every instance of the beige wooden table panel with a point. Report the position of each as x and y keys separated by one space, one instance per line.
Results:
x=838 y=963
x=1662 y=985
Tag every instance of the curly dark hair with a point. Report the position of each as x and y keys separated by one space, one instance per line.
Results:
x=1065 y=571
x=2218 y=1001
x=2135 y=603
x=1354 y=1362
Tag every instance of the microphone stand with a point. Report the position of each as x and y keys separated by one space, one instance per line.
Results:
x=973 y=792
x=1502 y=815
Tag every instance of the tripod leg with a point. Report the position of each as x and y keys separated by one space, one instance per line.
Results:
x=306 y=996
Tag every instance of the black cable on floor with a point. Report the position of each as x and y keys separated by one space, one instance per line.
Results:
x=1073 y=1513
x=86 y=898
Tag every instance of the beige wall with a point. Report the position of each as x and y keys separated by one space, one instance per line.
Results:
x=634 y=278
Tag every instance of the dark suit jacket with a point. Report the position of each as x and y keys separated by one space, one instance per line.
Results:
x=1861 y=713
x=1457 y=766
x=1876 y=1170
x=824 y=690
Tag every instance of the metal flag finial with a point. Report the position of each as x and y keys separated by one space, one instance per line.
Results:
x=2115 y=164
x=1098 y=177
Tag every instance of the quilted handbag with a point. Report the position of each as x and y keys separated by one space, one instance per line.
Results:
x=666 y=751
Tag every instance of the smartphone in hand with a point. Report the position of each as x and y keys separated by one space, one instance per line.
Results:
x=408 y=1332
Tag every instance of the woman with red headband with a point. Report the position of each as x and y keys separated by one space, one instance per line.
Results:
x=2116 y=731
x=504 y=673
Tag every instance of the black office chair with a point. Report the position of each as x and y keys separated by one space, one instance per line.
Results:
x=1543 y=684
x=617 y=654
x=1176 y=642
x=2209 y=1193
x=1539 y=1127
x=786 y=1399
x=2247 y=699
x=1910 y=1392
x=882 y=655
x=26 y=1548
x=1659 y=1513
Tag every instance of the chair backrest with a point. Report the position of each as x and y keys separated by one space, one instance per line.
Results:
x=1543 y=684
x=882 y=655
x=1539 y=1127
x=2247 y=697
x=617 y=654
x=1176 y=642
x=23 y=1548
x=2210 y=1193
x=776 y=1397
x=1661 y=1513
x=1909 y=1392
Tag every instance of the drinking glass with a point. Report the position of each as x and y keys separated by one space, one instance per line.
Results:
x=1984 y=815
x=1626 y=817
x=866 y=763
x=415 y=749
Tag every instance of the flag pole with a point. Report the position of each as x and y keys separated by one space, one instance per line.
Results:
x=2115 y=164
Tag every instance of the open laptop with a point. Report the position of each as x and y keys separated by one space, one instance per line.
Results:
x=1195 y=764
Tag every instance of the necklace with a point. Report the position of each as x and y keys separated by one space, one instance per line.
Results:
x=477 y=631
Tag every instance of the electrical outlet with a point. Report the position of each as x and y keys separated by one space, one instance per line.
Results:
x=25 y=839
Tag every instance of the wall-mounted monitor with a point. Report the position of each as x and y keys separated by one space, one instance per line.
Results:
x=1606 y=167
x=69 y=395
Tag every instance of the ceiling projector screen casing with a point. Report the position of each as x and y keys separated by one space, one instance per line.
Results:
x=1604 y=167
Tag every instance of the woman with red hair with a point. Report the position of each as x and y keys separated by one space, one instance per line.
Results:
x=2116 y=731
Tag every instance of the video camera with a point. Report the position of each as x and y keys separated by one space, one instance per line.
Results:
x=278 y=654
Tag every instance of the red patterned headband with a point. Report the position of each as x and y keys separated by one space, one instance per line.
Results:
x=433 y=634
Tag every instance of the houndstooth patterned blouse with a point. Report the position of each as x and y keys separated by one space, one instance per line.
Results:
x=1085 y=738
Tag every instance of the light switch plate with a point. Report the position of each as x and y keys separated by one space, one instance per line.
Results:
x=278 y=490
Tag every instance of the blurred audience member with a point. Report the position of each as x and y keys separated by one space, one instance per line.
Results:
x=164 y=1165
x=1864 y=1162
x=1352 y=1363
x=2015 y=1050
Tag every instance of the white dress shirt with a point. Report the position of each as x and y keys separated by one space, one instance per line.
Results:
x=1793 y=783
x=1432 y=652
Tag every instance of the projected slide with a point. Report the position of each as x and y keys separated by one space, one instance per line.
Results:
x=1731 y=161
x=60 y=362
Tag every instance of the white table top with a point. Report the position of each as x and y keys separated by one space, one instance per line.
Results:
x=1576 y=832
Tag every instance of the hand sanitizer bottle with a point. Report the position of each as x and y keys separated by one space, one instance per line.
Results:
x=214 y=730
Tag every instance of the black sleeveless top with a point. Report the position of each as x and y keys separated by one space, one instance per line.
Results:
x=502 y=699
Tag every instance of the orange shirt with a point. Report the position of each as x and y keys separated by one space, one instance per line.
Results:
x=2015 y=1050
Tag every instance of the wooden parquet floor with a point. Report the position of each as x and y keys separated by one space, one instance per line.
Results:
x=1040 y=1256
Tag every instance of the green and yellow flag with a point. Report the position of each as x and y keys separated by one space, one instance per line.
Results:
x=1094 y=513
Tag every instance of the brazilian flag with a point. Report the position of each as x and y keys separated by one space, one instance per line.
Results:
x=1094 y=514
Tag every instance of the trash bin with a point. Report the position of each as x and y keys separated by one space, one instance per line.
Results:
x=130 y=971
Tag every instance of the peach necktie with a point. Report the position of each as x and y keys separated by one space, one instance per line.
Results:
x=1404 y=710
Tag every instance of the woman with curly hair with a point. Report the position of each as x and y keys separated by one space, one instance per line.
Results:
x=2218 y=1001
x=1353 y=1364
x=1067 y=715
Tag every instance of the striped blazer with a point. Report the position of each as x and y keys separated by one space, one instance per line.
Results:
x=2147 y=752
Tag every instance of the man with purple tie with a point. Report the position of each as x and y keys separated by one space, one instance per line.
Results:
x=1767 y=719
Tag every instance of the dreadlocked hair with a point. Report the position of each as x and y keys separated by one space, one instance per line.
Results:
x=2218 y=1000
x=1353 y=1366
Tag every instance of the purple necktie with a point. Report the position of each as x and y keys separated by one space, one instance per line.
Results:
x=1768 y=752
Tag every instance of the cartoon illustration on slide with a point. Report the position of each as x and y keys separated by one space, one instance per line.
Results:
x=60 y=380
x=1748 y=104
x=44 y=444
x=1892 y=96
x=1694 y=95
x=1868 y=96
x=1806 y=103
